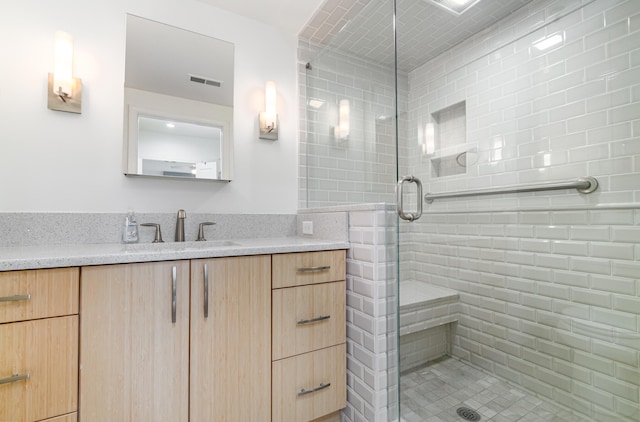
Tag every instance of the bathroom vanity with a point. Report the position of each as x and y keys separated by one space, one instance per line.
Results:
x=248 y=331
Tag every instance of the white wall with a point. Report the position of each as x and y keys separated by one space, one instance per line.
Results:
x=59 y=162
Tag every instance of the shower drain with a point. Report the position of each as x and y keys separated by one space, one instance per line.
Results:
x=468 y=414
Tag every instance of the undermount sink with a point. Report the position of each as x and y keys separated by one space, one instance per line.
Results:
x=180 y=246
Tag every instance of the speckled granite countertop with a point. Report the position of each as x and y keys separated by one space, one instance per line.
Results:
x=54 y=256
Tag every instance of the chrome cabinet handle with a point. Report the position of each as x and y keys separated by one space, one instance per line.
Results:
x=409 y=216
x=14 y=378
x=206 y=291
x=15 y=298
x=174 y=294
x=310 y=269
x=312 y=320
x=322 y=386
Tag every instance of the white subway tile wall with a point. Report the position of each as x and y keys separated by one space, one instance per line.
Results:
x=372 y=381
x=549 y=282
x=555 y=304
x=361 y=168
x=539 y=116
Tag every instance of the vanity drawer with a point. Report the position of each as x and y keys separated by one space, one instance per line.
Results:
x=46 y=350
x=298 y=269
x=35 y=294
x=307 y=318
x=311 y=385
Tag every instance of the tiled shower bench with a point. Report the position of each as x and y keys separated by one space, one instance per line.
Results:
x=425 y=314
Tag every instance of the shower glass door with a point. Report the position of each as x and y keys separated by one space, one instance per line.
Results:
x=518 y=305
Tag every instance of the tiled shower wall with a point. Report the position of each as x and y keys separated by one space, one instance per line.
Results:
x=549 y=282
x=362 y=167
x=536 y=116
x=550 y=300
x=371 y=291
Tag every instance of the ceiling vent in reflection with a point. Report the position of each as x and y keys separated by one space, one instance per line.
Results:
x=205 y=81
x=457 y=7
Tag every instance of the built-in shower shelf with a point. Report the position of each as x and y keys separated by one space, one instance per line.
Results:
x=424 y=306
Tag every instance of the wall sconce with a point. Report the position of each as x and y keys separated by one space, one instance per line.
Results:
x=429 y=139
x=268 y=119
x=65 y=91
x=341 y=132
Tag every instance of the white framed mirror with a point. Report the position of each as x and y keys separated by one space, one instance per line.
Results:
x=178 y=99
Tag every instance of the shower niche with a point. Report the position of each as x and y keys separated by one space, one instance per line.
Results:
x=445 y=141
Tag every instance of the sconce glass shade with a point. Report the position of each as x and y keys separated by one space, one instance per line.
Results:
x=268 y=119
x=63 y=64
x=270 y=101
x=429 y=145
x=344 y=127
x=65 y=91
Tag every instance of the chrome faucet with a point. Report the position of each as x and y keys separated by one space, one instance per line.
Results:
x=180 y=226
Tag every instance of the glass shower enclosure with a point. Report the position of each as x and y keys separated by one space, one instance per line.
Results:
x=497 y=144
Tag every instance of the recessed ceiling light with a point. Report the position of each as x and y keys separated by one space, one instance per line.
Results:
x=548 y=42
x=457 y=7
x=171 y=125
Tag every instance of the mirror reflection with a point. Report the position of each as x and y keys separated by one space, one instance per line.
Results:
x=178 y=102
x=178 y=149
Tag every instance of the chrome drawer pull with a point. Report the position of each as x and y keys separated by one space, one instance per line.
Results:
x=322 y=386
x=174 y=294
x=15 y=298
x=309 y=321
x=14 y=378
x=206 y=291
x=310 y=269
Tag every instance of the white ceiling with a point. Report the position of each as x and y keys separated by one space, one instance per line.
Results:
x=289 y=15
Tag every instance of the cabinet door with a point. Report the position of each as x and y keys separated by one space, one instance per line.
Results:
x=134 y=355
x=38 y=369
x=231 y=346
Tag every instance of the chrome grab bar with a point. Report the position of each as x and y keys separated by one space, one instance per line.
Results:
x=583 y=185
x=409 y=216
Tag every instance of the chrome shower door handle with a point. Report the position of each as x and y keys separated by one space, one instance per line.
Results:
x=409 y=216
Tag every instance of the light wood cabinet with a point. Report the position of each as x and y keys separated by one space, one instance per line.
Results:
x=230 y=377
x=308 y=318
x=211 y=364
x=309 y=335
x=311 y=385
x=304 y=268
x=134 y=342
x=71 y=417
x=35 y=294
x=38 y=354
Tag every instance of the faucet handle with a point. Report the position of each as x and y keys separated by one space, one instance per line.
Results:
x=158 y=237
x=201 y=231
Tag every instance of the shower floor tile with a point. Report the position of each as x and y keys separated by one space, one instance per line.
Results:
x=433 y=393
